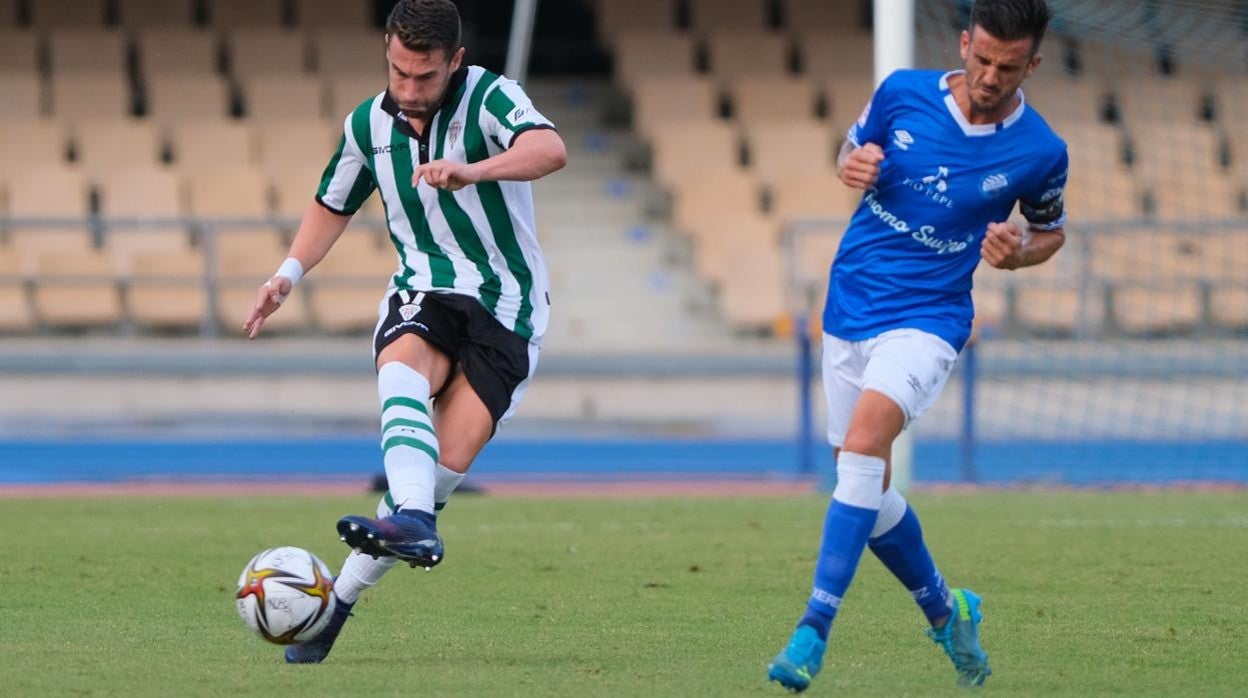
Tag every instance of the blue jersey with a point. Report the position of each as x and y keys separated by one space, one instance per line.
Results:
x=907 y=259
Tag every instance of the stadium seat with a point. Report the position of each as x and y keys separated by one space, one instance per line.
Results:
x=82 y=97
x=31 y=144
x=719 y=234
x=847 y=97
x=105 y=145
x=45 y=14
x=76 y=290
x=334 y=14
x=350 y=282
x=212 y=143
x=752 y=297
x=24 y=96
x=838 y=16
x=156 y=13
x=181 y=51
x=991 y=308
x=642 y=56
x=1066 y=103
x=148 y=193
x=1186 y=193
x=768 y=54
x=729 y=190
x=1225 y=256
x=15 y=310
x=174 y=98
x=659 y=101
x=87 y=51
x=19 y=51
x=813 y=193
x=615 y=18
x=1058 y=309
x=1157 y=308
x=1149 y=255
x=285 y=97
x=50 y=191
x=339 y=52
x=296 y=145
x=245 y=259
x=1093 y=146
x=274 y=52
x=1177 y=102
x=1116 y=61
x=294 y=189
x=685 y=149
x=778 y=147
x=765 y=99
x=164 y=288
x=238 y=191
x=1105 y=194
x=1159 y=145
x=1231 y=99
x=813 y=255
x=715 y=16
x=346 y=92
x=829 y=55
x=232 y=14
x=1228 y=307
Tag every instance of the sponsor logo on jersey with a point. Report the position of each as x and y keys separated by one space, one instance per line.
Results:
x=993 y=184
x=933 y=186
x=518 y=114
x=925 y=235
x=398 y=147
x=902 y=139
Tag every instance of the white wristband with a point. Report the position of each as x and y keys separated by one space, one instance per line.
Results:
x=291 y=269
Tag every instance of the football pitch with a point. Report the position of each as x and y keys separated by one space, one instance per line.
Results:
x=1085 y=593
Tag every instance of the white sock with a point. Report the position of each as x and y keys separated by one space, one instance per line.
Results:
x=359 y=571
x=407 y=440
x=859 y=480
x=446 y=482
x=892 y=508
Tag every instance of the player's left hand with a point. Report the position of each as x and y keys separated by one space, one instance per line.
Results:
x=1001 y=245
x=446 y=174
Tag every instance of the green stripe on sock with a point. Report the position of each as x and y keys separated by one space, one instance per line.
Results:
x=404 y=402
x=389 y=500
x=414 y=443
x=407 y=423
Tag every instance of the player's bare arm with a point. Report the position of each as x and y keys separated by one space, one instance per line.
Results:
x=859 y=167
x=1006 y=246
x=318 y=231
x=533 y=155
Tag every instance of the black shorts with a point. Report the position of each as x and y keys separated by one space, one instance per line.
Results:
x=497 y=362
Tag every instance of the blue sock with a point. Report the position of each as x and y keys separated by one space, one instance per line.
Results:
x=845 y=532
x=903 y=552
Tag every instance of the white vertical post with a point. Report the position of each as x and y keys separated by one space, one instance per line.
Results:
x=894 y=49
x=522 y=16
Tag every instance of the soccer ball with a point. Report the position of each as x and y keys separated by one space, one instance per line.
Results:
x=286 y=595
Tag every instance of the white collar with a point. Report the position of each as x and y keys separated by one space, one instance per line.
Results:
x=978 y=129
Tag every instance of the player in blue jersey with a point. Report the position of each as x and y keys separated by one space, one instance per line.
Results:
x=942 y=158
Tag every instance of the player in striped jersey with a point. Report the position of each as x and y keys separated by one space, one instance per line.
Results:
x=451 y=151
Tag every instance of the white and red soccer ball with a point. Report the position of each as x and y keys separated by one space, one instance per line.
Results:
x=286 y=595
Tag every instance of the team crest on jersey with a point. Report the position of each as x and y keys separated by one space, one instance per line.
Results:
x=453 y=131
x=993 y=184
x=902 y=139
x=409 y=311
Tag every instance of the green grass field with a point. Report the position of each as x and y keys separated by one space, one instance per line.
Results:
x=1086 y=593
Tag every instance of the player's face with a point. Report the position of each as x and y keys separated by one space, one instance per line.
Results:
x=995 y=68
x=418 y=79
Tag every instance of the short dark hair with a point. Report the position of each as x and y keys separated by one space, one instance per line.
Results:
x=1011 y=20
x=425 y=25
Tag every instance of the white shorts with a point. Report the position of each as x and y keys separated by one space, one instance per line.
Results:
x=910 y=367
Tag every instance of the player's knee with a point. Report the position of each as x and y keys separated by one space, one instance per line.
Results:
x=868 y=442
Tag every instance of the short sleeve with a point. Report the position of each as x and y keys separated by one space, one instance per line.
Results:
x=508 y=112
x=872 y=124
x=347 y=180
x=1045 y=207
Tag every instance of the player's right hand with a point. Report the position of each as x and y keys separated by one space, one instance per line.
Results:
x=269 y=298
x=861 y=168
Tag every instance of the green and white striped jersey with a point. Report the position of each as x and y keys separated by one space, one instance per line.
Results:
x=479 y=241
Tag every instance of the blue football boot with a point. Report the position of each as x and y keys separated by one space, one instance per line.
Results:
x=314 y=651
x=798 y=664
x=408 y=534
x=960 y=639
